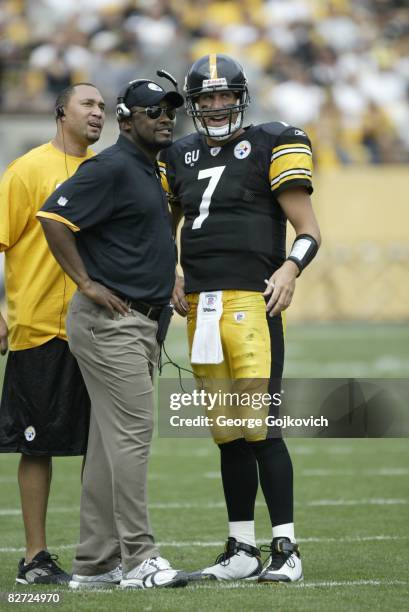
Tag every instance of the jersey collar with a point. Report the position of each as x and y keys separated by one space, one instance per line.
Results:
x=128 y=146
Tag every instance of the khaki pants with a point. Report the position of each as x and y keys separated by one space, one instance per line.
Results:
x=117 y=358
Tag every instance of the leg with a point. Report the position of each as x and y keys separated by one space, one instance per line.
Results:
x=95 y=476
x=276 y=480
x=44 y=413
x=116 y=358
x=237 y=463
x=34 y=479
x=276 y=475
x=238 y=472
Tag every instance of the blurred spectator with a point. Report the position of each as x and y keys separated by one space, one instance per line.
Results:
x=297 y=100
x=330 y=66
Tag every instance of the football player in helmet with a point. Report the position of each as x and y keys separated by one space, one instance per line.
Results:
x=236 y=187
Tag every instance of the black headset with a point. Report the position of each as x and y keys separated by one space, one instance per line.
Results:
x=59 y=112
x=122 y=111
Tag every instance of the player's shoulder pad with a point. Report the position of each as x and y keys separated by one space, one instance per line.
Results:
x=283 y=133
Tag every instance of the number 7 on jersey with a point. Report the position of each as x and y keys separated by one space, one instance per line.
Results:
x=214 y=175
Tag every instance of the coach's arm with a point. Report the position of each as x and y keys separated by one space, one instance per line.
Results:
x=63 y=246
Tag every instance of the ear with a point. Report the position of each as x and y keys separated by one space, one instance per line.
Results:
x=125 y=124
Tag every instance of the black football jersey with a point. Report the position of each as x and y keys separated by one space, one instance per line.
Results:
x=234 y=230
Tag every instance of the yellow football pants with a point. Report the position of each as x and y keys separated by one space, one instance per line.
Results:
x=251 y=342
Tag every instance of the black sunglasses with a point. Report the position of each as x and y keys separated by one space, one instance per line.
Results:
x=154 y=112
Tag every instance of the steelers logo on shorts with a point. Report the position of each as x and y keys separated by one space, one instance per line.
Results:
x=29 y=433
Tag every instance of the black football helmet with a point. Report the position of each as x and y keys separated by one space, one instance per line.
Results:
x=211 y=73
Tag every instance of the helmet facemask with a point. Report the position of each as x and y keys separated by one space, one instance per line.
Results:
x=235 y=114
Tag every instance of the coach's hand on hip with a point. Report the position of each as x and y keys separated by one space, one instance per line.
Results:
x=103 y=296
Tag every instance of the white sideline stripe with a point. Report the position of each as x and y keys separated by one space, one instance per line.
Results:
x=356 y=502
x=373 y=472
x=307 y=472
x=334 y=472
x=201 y=544
x=298 y=585
x=221 y=504
x=344 y=583
x=303 y=585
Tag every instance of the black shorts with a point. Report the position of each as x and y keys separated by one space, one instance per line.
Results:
x=45 y=405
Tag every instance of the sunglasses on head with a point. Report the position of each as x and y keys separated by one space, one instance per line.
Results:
x=154 y=112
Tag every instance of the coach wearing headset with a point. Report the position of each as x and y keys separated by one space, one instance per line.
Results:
x=44 y=409
x=109 y=229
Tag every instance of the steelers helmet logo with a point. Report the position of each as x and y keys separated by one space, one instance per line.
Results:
x=29 y=433
x=242 y=149
x=155 y=87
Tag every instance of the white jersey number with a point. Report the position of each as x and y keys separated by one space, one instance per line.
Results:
x=214 y=175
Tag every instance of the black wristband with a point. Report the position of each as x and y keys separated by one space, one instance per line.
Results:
x=303 y=251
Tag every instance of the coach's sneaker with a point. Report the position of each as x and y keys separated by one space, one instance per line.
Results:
x=153 y=572
x=43 y=569
x=284 y=564
x=238 y=562
x=98 y=581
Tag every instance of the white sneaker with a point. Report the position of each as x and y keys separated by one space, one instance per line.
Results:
x=284 y=564
x=153 y=572
x=238 y=562
x=99 y=581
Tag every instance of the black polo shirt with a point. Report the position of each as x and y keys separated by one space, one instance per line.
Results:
x=116 y=206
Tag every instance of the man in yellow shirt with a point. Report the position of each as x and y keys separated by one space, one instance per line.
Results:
x=44 y=408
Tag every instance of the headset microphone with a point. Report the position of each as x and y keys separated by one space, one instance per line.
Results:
x=166 y=75
x=59 y=112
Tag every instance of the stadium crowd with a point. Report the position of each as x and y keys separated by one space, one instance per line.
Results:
x=337 y=68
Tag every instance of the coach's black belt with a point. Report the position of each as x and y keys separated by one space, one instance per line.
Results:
x=152 y=312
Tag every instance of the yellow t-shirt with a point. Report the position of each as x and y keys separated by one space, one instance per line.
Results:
x=38 y=291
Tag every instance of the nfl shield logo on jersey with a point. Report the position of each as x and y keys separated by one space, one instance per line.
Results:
x=242 y=149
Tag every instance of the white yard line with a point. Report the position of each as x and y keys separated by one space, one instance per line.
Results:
x=305 y=585
x=215 y=544
x=221 y=504
x=348 y=472
x=386 y=472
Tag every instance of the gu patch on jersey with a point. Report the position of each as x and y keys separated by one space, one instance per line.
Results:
x=29 y=433
x=239 y=316
x=62 y=201
x=242 y=149
x=191 y=157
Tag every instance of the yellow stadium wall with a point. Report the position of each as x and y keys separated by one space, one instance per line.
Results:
x=362 y=269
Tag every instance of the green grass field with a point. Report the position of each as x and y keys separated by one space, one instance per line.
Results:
x=352 y=502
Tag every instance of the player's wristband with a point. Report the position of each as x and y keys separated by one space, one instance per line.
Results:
x=303 y=251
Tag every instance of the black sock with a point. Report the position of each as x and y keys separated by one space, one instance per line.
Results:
x=276 y=478
x=240 y=479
